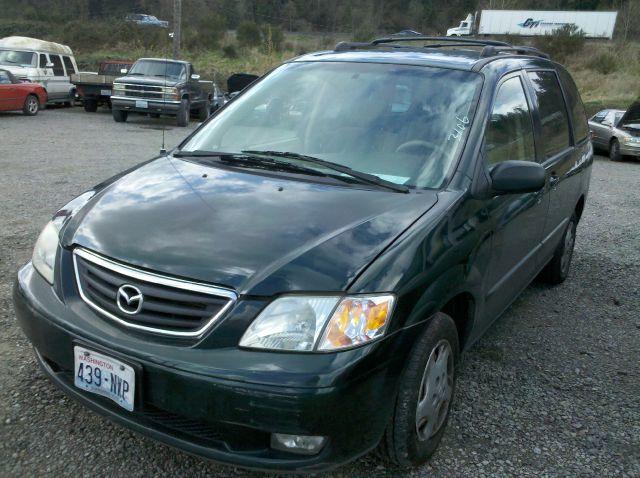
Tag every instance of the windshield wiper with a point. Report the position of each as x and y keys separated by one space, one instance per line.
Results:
x=251 y=161
x=363 y=177
x=136 y=73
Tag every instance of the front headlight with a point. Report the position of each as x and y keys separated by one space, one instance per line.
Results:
x=308 y=323
x=44 y=252
x=118 y=87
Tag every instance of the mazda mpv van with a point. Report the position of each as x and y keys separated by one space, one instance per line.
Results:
x=292 y=286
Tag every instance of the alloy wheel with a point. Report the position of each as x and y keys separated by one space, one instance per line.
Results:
x=32 y=105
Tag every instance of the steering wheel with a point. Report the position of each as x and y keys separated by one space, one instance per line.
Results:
x=418 y=146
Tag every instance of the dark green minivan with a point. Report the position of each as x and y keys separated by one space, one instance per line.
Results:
x=292 y=286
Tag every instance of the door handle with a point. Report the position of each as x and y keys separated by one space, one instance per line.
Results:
x=553 y=180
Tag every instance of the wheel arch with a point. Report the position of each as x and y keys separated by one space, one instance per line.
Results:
x=462 y=309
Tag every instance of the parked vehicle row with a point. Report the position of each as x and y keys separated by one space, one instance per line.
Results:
x=46 y=63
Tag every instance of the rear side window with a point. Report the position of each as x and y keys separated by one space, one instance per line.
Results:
x=510 y=131
x=57 y=65
x=43 y=60
x=598 y=117
x=68 y=64
x=552 y=110
x=576 y=108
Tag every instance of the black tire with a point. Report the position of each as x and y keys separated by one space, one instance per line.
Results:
x=184 y=113
x=203 y=112
x=557 y=270
x=31 y=105
x=614 y=150
x=120 y=116
x=401 y=443
x=90 y=106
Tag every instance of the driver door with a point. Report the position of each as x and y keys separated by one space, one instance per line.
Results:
x=518 y=219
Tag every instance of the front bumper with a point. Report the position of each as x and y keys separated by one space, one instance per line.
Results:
x=630 y=149
x=225 y=415
x=167 y=107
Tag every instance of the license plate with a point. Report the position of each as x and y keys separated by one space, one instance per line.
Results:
x=142 y=104
x=105 y=92
x=106 y=376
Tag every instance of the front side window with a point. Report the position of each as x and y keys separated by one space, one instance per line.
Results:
x=68 y=64
x=552 y=111
x=57 y=65
x=509 y=133
x=404 y=124
x=17 y=58
x=160 y=69
x=42 y=62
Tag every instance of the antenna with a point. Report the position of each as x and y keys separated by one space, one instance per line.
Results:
x=163 y=149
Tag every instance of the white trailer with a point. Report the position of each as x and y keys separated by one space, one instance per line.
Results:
x=537 y=22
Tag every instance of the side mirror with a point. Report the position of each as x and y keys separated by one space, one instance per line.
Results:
x=49 y=65
x=124 y=71
x=195 y=76
x=513 y=177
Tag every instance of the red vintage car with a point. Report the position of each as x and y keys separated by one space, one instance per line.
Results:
x=16 y=95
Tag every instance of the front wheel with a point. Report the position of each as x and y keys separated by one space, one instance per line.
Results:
x=182 y=118
x=614 y=150
x=31 y=105
x=120 y=116
x=425 y=395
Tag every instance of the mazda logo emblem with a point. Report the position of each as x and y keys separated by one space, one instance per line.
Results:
x=129 y=299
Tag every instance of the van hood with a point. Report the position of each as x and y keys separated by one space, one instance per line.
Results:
x=256 y=233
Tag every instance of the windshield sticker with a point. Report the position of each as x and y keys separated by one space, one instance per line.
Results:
x=461 y=125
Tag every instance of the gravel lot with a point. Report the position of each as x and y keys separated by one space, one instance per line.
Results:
x=553 y=389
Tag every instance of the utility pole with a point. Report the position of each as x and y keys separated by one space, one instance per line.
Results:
x=177 y=26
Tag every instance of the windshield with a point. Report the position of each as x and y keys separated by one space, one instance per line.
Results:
x=174 y=71
x=19 y=58
x=404 y=124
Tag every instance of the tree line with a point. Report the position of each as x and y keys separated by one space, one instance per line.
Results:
x=361 y=18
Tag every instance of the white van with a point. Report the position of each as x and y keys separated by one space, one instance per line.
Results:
x=47 y=63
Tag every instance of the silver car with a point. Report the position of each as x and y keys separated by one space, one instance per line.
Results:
x=617 y=132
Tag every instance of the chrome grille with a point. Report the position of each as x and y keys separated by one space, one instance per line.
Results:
x=141 y=91
x=169 y=306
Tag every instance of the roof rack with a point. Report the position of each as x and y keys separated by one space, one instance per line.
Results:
x=491 y=50
x=343 y=46
x=491 y=47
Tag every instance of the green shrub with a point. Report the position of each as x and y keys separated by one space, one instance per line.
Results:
x=364 y=33
x=565 y=41
x=205 y=31
x=230 y=51
x=604 y=63
x=248 y=34
x=273 y=38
